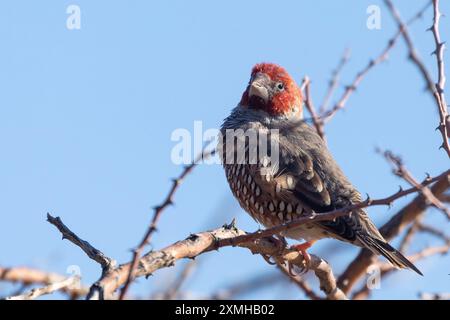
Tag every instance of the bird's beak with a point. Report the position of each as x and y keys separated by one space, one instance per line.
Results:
x=258 y=89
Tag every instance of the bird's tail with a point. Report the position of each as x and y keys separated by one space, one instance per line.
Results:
x=381 y=247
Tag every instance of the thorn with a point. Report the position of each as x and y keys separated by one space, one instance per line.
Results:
x=400 y=189
x=231 y=225
x=192 y=237
x=148 y=275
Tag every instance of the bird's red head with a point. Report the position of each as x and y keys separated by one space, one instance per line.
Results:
x=273 y=90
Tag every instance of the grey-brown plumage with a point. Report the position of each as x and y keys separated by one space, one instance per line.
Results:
x=303 y=178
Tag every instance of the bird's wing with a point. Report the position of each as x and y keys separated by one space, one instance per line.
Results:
x=306 y=172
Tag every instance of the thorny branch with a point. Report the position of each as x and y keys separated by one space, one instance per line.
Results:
x=334 y=81
x=328 y=115
x=436 y=90
x=401 y=171
x=93 y=253
x=29 y=276
x=48 y=289
x=318 y=124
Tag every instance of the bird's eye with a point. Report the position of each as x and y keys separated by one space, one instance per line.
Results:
x=280 y=86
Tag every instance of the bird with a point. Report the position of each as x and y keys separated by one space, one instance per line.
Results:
x=294 y=175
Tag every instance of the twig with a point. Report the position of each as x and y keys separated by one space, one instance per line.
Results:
x=333 y=83
x=433 y=88
x=401 y=171
x=440 y=85
x=318 y=124
x=328 y=115
x=37 y=292
x=158 y=210
x=93 y=253
x=28 y=276
x=357 y=268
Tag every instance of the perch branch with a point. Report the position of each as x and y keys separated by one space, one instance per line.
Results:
x=200 y=243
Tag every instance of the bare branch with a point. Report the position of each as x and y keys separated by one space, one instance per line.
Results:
x=328 y=115
x=28 y=276
x=435 y=89
x=93 y=253
x=318 y=124
x=51 y=288
x=334 y=81
x=401 y=171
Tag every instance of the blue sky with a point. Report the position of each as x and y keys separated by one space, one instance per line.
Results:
x=86 y=118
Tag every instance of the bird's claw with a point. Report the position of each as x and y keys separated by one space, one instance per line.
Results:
x=268 y=259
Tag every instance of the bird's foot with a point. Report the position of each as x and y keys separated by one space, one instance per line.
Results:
x=302 y=247
x=269 y=259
